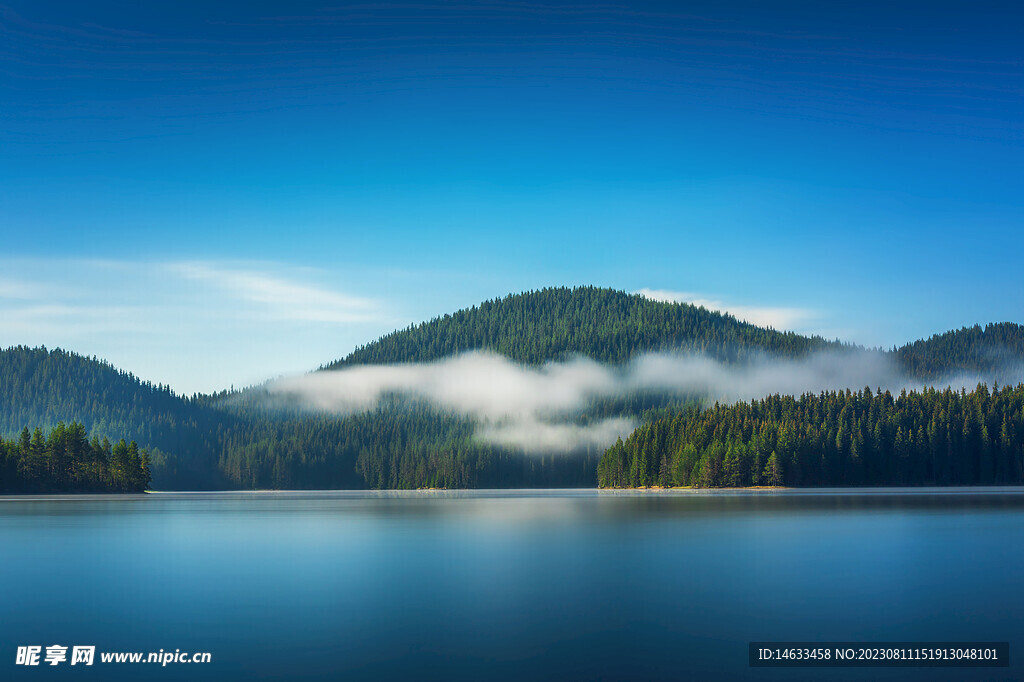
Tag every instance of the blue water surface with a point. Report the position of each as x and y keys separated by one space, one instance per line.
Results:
x=506 y=585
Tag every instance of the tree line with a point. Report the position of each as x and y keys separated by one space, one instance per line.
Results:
x=46 y=386
x=231 y=440
x=995 y=351
x=398 y=445
x=851 y=438
x=66 y=460
x=605 y=325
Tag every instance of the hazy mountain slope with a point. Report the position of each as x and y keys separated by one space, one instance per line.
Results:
x=40 y=387
x=431 y=448
x=613 y=326
x=994 y=352
x=602 y=324
x=234 y=441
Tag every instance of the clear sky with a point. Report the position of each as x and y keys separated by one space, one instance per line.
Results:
x=210 y=194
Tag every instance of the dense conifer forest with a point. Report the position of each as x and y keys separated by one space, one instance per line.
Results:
x=602 y=324
x=851 y=438
x=45 y=387
x=234 y=440
x=66 y=460
x=393 y=447
x=995 y=351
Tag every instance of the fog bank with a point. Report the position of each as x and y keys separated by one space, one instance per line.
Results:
x=532 y=408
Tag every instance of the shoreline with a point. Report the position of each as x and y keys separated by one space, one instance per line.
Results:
x=654 y=488
x=493 y=491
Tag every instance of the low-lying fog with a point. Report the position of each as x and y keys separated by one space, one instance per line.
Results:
x=533 y=408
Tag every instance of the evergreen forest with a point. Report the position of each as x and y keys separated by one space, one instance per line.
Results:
x=851 y=438
x=239 y=439
x=67 y=460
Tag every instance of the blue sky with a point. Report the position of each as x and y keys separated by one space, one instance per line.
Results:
x=210 y=196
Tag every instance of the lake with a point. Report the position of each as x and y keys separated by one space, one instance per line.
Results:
x=506 y=585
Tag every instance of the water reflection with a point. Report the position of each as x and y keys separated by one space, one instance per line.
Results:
x=508 y=584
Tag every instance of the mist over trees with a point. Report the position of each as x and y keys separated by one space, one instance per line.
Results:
x=995 y=351
x=601 y=324
x=233 y=440
x=392 y=447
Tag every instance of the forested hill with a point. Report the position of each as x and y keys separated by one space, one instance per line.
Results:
x=603 y=324
x=208 y=442
x=995 y=352
x=614 y=326
x=67 y=461
x=40 y=387
x=846 y=438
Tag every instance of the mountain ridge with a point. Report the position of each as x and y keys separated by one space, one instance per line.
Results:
x=553 y=323
x=210 y=441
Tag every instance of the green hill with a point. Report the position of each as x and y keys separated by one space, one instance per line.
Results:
x=41 y=388
x=602 y=324
x=235 y=440
x=533 y=328
x=995 y=352
x=831 y=439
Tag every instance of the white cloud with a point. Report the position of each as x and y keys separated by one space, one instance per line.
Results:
x=534 y=436
x=197 y=325
x=10 y=288
x=48 y=319
x=532 y=408
x=514 y=406
x=480 y=384
x=278 y=297
x=763 y=316
x=27 y=289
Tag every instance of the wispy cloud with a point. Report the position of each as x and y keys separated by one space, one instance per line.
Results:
x=278 y=297
x=763 y=316
x=536 y=436
x=196 y=325
x=534 y=409
x=514 y=406
x=491 y=387
x=36 y=320
x=480 y=384
x=26 y=289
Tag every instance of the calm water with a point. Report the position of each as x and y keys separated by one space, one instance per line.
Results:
x=506 y=585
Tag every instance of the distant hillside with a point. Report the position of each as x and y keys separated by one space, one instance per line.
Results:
x=603 y=324
x=228 y=442
x=613 y=326
x=846 y=438
x=995 y=352
x=233 y=440
x=40 y=387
